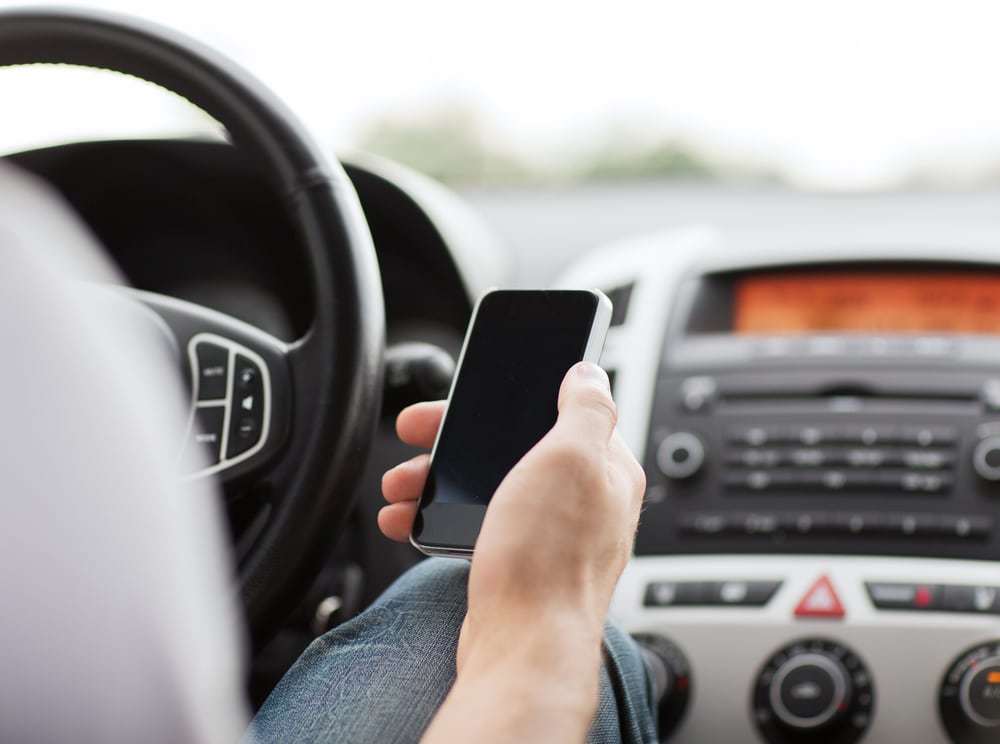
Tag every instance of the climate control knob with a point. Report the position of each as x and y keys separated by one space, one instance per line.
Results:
x=969 y=699
x=671 y=680
x=680 y=455
x=813 y=688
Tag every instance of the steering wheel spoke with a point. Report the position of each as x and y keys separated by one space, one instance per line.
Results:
x=239 y=383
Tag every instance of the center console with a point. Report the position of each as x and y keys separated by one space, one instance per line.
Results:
x=819 y=440
x=820 y=538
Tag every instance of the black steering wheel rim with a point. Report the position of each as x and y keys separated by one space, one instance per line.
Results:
x=337 y=383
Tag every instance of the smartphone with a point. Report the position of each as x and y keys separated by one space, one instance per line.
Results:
x=503 y=400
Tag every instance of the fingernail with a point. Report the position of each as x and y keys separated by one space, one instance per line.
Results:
x=592 y=373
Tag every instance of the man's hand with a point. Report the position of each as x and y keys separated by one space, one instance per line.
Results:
x=557 y=535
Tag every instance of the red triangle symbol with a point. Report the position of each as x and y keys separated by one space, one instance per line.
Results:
x=821 y=601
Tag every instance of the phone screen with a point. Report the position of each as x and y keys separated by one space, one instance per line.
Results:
x=503 y=402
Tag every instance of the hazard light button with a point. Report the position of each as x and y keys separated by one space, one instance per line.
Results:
x=821 y=601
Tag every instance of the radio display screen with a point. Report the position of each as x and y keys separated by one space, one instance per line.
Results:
x=879 y=302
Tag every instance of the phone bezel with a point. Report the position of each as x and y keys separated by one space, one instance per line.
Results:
x=592 y=353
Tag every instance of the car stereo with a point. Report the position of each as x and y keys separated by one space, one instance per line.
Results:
x=782 y=423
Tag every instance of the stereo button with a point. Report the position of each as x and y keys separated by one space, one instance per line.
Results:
x=924 y=482
x=929 y=436
x=754 y=436
x=990 y=395
x=963 y=527
x=760 y=524
x=755 y=458
x=927 y=459
x=808 y=457
x=698 y=393
x=705 y=524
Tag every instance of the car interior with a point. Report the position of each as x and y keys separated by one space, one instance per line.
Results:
x=817 y=410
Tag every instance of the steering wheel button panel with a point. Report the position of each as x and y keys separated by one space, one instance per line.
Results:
x=212 y=371
x=245 y=424
x=231 y=420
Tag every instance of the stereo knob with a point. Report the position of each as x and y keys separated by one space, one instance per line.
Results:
x=986 y=458
x=813 y=688
x=680 y=455
x=969 y=699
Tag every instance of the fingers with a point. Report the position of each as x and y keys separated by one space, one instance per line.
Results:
x=396 y=520
x=586 y=411
x=405 y=482
x=417 y=425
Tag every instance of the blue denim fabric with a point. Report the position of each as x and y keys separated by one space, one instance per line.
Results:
x=382 y=676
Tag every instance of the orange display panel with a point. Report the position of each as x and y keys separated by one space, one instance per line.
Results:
x=867 y=302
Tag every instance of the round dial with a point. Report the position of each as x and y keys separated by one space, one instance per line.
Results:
x=813 y=691
x=969 y=698
x=675 y=687
x=680 y=455
x=986 y=458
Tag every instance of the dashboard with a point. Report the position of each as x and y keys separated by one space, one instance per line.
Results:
x=819 y=544
x=195 y=220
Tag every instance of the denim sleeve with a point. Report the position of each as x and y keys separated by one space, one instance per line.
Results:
x=382 y=676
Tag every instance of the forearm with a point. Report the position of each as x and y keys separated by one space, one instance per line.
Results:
x=536 y=683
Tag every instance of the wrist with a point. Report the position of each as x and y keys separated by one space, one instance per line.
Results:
x=523 y=681
x=553 y=641
x=559 y=651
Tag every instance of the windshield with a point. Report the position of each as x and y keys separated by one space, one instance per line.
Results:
x=852 y=96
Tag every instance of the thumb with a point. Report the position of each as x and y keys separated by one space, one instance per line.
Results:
x=586 y=409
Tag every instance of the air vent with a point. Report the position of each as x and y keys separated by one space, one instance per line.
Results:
x=619 y=297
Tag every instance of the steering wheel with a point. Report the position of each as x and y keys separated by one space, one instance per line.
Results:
x=297 y=416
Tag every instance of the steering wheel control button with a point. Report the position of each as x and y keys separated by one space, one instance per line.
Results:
x=248 y=406
x=986 y=459
x=969 y=697
x=821 y=601
x=213 y=370
x=206 y=434
x=813 y=690
x=680 y=455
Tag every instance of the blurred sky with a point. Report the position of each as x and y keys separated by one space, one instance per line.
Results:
x=838 y=95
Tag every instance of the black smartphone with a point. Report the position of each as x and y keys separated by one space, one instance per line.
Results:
x=503 y=400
